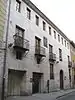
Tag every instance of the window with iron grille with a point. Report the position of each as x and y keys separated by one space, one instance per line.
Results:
x=45 y=41
x=60 y=54
x=49 y=30
x=28 y=13
x=37 y=20
x=44 y=26
x=18 y=5
x=51 y=71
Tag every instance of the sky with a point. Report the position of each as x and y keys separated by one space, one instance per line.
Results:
x=61 y=13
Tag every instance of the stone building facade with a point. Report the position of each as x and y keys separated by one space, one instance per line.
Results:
x=38 y=52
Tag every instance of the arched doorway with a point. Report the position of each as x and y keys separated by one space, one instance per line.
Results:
x=61 y=80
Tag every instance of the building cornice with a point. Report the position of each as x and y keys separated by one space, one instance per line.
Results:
x=72 y=43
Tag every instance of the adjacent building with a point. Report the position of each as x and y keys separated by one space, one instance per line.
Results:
x=3 y=4
x=2 y=17
x=72 y=46
x=38 y=52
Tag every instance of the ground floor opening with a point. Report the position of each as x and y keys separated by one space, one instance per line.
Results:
x=16 y=82
x=61 y=80
x=37 y=81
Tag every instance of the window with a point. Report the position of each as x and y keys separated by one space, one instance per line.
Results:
x=58 y=37
x=44 y=26
x=18 y=55
x=18 y=5
x=37 y=20
x=68 y=58
x=54 y=34
x=61 y=40
x=49 y=30
x=68 y=45
x=51 y=71
x=45 y=41
x=60 y=54
x=65 y=43
x=28 y=13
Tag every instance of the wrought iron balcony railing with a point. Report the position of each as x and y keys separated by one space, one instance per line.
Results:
x=69 y=63
x=40 y=51
x=52 y=56
x=20 y=42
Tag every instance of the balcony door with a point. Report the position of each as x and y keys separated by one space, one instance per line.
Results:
x=50 y=48
x=19 y=36
x=37 y=44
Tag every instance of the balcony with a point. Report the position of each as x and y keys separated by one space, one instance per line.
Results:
x=69 y=64
x=20 y=43
x=52 y=56
x=40 y=51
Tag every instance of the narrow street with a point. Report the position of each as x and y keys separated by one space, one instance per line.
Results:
x=68 y=97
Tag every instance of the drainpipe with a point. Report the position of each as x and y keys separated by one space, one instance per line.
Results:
x=5 y=54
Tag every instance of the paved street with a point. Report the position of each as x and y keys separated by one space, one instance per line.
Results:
x=68 y=97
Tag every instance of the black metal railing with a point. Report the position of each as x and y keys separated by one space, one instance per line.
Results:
x=21 y=42
x=40 y=51
x=52 y=56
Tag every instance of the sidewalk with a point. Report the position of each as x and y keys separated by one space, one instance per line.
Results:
x=46 y=96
